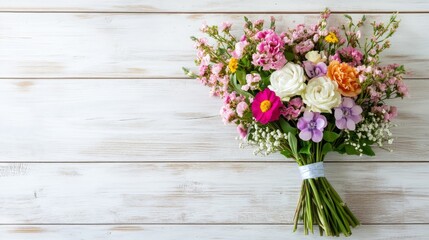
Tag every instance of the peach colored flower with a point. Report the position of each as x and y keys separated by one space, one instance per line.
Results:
x=346 y=77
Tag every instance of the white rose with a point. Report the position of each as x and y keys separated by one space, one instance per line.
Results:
x=288 y=81
x=321 y=95
x=315 y=57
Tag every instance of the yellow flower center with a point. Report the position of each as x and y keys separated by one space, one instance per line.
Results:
x=331 y=38
x=265 y=105
x=233 y=65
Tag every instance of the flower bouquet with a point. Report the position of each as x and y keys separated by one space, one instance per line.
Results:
x=304 y=92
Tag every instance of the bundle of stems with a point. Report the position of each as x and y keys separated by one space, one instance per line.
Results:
x=319 y=204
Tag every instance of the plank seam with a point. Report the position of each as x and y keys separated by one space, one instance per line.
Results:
x=135 y=78
x=212 y=13
x=188 y=224
x=206 y=162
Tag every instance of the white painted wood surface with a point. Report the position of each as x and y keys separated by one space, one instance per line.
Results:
x=213 y=6
x=151 y=120
x=199 y=232
x=57 y=45
x=102 y=137
x=214 y=193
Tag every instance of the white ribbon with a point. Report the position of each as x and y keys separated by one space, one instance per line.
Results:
x=313 y=170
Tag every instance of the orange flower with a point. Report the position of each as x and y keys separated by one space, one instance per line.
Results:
x=346 y=77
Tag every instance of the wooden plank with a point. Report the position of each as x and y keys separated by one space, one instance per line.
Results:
x=224 y=232
x=211 y=6
x=46 y=193
x=152 y=120
x=141 y=45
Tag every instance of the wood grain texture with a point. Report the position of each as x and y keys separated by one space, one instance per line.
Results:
x=212 y=6
x=198 y=232
x=152 y=120
x=91 y=45
x=46 y=193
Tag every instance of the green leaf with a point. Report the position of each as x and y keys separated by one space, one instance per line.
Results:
x=241 y=77
x=289 y=56
x=287 y=153
x=245 y=62
x=401 y=69
x=327 y=147
x=306 y=149
x=366 y=141
x=265 y=81
x=286 y=127
x=341 y=148
x=348 y=17
x=367 y=150
x=293 y=144
x=330 y=136
x=237 y=87
x=350 y=150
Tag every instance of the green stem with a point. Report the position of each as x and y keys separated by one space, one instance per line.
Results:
x=319 y=204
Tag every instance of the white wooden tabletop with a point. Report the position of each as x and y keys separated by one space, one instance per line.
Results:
x=103 y=137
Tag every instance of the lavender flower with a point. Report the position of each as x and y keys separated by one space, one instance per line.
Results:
x=315 y=70
x=311 y=126
x=347 y=114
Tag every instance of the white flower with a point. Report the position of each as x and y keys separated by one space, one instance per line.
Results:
x=315 y=57
x=288 y=81
x=321 y=95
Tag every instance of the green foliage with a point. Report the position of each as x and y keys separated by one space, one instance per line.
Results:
x=306 y=149
x=241 y=77
x=367 y=150
x=350 y=150
x=237 y=86
x=293 y=143
x=330 y=136
x=327 y=147
x=286 y=127
x=290 y=56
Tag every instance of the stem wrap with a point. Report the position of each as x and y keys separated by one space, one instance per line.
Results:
x=313 y=170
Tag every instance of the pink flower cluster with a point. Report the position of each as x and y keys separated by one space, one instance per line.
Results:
x=217 y=81
x=252 y=82
x=211 y=75
x=293 y=109
x=269 y=52
x=239 y=48
x=349 y=55
x=301 y=34
x=391 y=84
x=388 y=112
x=233 y=106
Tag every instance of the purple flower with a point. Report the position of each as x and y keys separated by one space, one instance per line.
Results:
x=315 y=70
x=347 y=114
x=311 y=126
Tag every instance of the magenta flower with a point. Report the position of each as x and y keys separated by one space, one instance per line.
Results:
x=315 y=70
x=266 y=106
x=311 y=126
x=348 y=114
